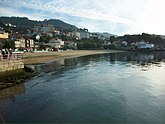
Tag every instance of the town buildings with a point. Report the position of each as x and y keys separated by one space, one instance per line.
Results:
x=55 y=44
x=24 y=42
x=4 y=35
x=144 y=45
x=84 y=34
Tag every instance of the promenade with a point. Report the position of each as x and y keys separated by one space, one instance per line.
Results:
x=8 y=57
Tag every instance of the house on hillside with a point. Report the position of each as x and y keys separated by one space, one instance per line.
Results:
x=124 y=44
x=144 y=45
x=24 y=42
x=3 y=37
x=71 y=45
x=44 y=29
x=95 y=35
x=55 y=44
x=84 y=34
x=74 y=34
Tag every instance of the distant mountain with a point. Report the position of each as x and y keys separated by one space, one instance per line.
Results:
x=26 y=23
x=106 y=34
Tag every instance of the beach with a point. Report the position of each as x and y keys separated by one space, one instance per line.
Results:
x=44 y=57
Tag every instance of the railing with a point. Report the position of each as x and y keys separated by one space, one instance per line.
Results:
x=8 y=57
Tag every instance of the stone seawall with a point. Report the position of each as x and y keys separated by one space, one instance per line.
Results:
x=11 y=65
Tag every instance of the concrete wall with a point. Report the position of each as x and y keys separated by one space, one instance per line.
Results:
x=11 y=65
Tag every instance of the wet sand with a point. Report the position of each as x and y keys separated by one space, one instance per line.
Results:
x=44 y=57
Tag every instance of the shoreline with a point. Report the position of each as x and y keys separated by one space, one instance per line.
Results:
x=15 y=77
x=45 y=57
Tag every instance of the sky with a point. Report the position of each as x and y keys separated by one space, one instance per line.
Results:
x=114 y=16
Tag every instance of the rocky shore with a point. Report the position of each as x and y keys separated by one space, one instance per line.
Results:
x=11 y=78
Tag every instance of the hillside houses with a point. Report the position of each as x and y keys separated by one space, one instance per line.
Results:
x=144 y=45
x=84 y=34
x=43 y=29
x=24 y=42
x=4 y=35
x=55 y=44
x=37 y=35
x=118 y=44
x=74 y=34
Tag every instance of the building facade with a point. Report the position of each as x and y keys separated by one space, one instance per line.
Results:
x=4 y=35
x=26 y=43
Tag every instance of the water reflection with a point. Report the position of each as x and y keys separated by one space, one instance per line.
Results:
x=143 y=60
x=96 y=88
x=138 y=57
x=11 y=93
x=51 y=67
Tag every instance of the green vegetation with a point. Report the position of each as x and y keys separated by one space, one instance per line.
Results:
x=155 y=39
x=24 y=22
x=45 y=39
x=89 y=44
x=9 y=44
x=66 y=38
x=11 y=78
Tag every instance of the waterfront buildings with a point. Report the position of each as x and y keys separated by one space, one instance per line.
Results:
x=24 y=42
x=4 y=35
x=55 y=43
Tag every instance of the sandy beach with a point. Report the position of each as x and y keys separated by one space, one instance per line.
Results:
x=44 y=57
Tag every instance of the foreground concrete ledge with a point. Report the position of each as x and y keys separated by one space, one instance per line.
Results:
x=11 y=65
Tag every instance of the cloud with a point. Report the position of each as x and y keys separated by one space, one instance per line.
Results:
x=6 y=11
x=128 y=16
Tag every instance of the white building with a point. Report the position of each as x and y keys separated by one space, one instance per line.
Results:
x=143 y=45
x=24 y=42
x=74 y=34
x=56 y=43
x=45 y=28
x=84 y=34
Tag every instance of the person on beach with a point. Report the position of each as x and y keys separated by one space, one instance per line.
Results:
x=6 y=53
x=3 y=54
x=10 y=52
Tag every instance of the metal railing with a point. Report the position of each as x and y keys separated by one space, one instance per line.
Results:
x=8 y=57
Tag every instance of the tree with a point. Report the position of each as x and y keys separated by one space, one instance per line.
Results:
x=80 y=45
x=9 y=44
x=45 y=39
x=112 y=38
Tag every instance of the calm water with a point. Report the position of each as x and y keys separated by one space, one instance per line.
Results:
x=120 y=87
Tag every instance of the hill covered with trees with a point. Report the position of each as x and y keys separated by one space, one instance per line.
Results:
x=24 y=22
x=151 y=38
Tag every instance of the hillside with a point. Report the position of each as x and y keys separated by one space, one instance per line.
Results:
x=107 y=35
x=151 y=38
x=24 y=22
